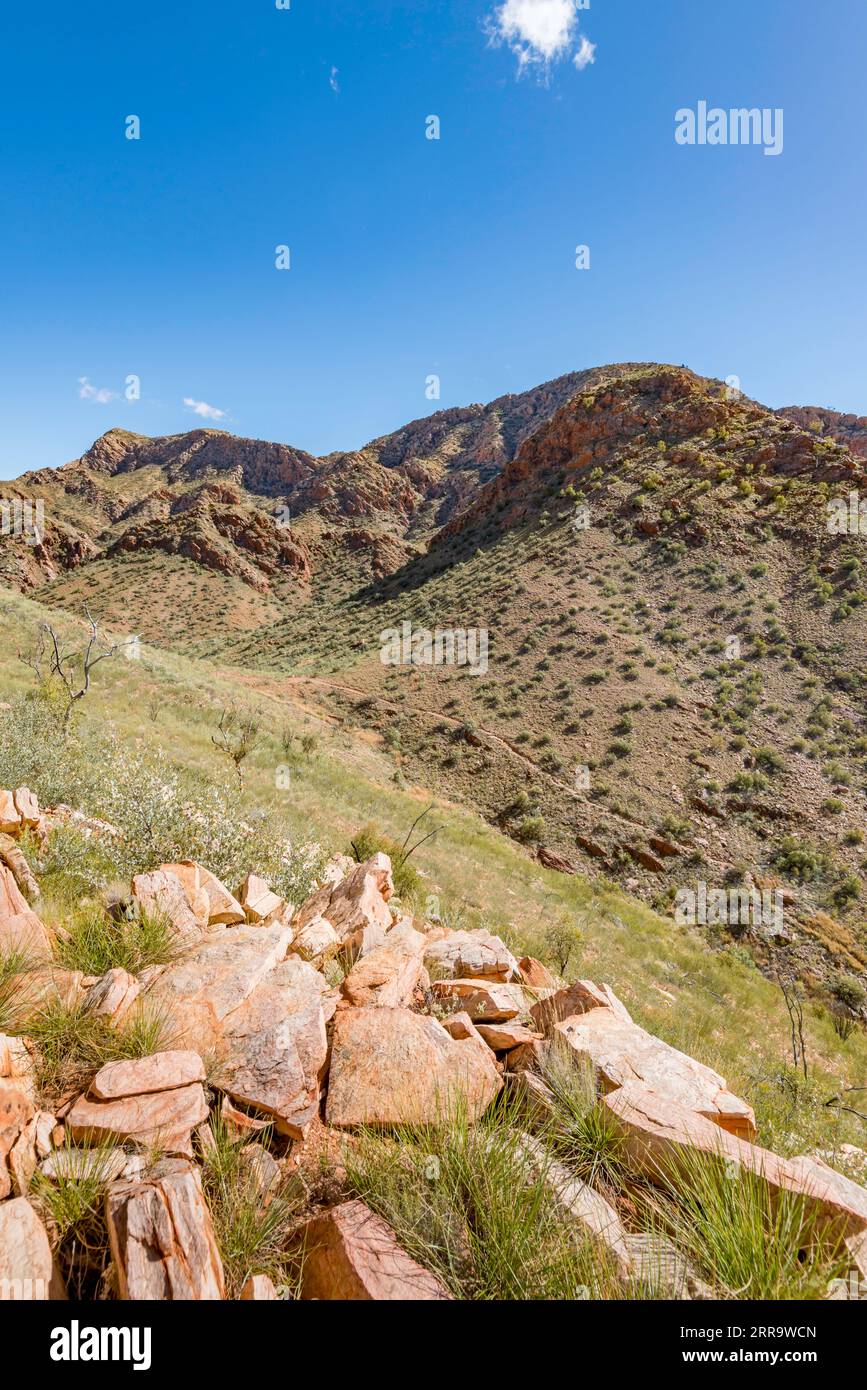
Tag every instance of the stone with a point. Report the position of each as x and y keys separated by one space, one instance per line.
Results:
x=358 y=900
x=160 y=1071
x=163 y=1119
x=16 y=1113
x=10 y=818
x=316 y=940
x=263 y=1170
x=17 y=1066
x=20 y=928
x=256 y=1015
x=27 y=807
x=259 y=1288
x=594 y=1218
x=502 y=1037
x=392 y=1067
x=162 y=1238
x=661 y=1270
x=535 y=974
x=620 y=1052
x=113 y=995
x=27 y=1268
x=388 y=975
x=359 y=943
x=531 y=1098
x=578 y=998
x=351 y=1254
x=470 y=955
x=239 y=1122
x=206 y=893
x=257 y=899
x=490 y=1003
x=645 y=859
x=552 y=859
x=659 y=1135
x=161 y=894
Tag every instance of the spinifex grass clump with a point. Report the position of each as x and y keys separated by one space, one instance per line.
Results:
x=580 y=1131
x=742 y=1236
x=73 y=1207
x=466 y=1203
x=72 y=1044
x=15 y=969
x=252 y=1225
x=94 y=942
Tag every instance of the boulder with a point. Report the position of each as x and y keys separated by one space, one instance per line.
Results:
x=535 y=974
x=27 y=1269
x=27 y=807
x=392 y=1067
x=162 y=1239
x=356 y=901
x=352 y=1254
x=488 y=1003
x=259 y=1288
x=502 y=1037
x=16 y=1113
x=387 y=976
x=256 y=1015
x=578 y=998
x=161 y=894
x=359 y=943
x=316 y=940
x=161 y=1071
x=16 y=1065
x=470 y=955
x=659 y=1135
x=208 y=897
x=257 y=900
x=20 y=928
x=160 y=1119
x=105 y=1164
x=10 y=818
x=620 y=1052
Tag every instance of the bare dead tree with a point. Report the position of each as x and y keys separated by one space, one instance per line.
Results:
x=237 y=735
x=794 y=1004
x=71 y=668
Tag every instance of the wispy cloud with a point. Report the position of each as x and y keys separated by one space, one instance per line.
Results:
x=541 y=33
x=100 y=394
x=333 y=82
x=207 y=412
x=586 y=54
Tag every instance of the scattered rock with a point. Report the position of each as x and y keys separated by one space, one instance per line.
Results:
x=386 y=976
x=161 y=894
x=259 y=1288
x=578 y=998
x=257 y=899
x=162 y=1239
x=27 y=1269
x=205 y=891
x=352 y=1254
x=316 y=940
x=161 y=1071
x=113 y=995
x=501 y=1037
x=552 y=860
x=535 y=974
x=471 y=955
x=356 y=901
x=490 y=1003
x=16 y=1114
x=392 y=1067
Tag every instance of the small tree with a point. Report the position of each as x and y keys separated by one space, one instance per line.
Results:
x=237 y=736
x=68 y=672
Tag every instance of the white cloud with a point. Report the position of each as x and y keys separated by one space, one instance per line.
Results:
x=586 y=54
x=207 y=412
x=100 y=394
x=333 y=82
x=540 y=32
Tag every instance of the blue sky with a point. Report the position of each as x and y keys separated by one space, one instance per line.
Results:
x=413 y=257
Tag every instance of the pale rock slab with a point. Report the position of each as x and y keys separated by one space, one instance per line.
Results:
x=207 y=895
x=257 y=899
x=485 y=1003
x=659 y=1135
x=259 y=1288
x=161 y=894
x=351 y=1254
x=620 y=1052
x=358 y=900
x=392 y=1067
x=256 y=1017
x=162 y=1239
x=581 y=997
x=164 y=1119
x=161 y=1071
x=27 y=1268
x=387 y=976
x=113 y=995
x=470 y=955
x=316 y=940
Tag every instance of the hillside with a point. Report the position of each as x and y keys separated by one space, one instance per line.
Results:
x=673 y=692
